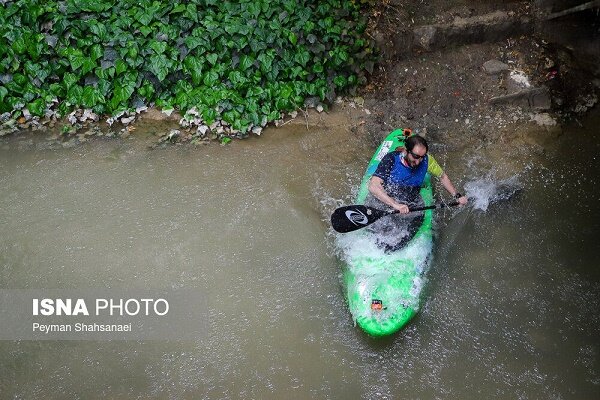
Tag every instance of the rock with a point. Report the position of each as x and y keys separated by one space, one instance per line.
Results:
x=174 y=133
x=128 y=120
x=26 y=114
x=192 y=111
x=519 y=80
x=311 y=102
x=495 y=67
x=257 y=130
x=88 y=114
x=141 y=109
x=534 y=99
x=294 y=114
x=319 y=108
x=202 y=129
x=543 y=119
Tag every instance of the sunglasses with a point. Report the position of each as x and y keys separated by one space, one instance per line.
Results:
x=416 y=156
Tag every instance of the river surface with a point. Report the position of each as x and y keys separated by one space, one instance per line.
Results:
x=511 y=308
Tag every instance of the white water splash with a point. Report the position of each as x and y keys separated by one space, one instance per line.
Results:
x=484 y=191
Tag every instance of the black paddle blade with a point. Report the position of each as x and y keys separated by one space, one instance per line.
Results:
x=350 y=218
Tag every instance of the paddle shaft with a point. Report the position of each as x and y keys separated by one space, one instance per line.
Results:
x=441 y=205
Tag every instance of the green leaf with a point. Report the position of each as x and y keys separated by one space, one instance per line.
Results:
x=120 y=66
x=91 y=97
x=19 y=46
x=302 y=57
x=193 y=65
x=74 y=95
x=236 y=78
x=178 y=9
x=96 y=51
x=76 y=6
x=144 y=17
x=192 y=12
x=121 y=94
x=104 y=87
x=98 y=29
x=75 y=57
x=146 y=91
x=87 y=66
x=292 y=38
x=285 y=92
x=192 y=42
x=159 y=66
x=3 y=93
x=145 y=30
x=209 y=115
x=69 y=80
x=211 y=78
x=212 y=58
x=340 y=81
x=246 y=62
x=158 y=47
x=37 y=107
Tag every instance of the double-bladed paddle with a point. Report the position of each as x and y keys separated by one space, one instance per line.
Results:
x=350 y=218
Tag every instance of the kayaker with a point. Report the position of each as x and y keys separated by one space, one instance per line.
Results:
x=400 y=174
x=397 y=181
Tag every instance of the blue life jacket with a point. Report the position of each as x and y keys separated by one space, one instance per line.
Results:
x=401 y=181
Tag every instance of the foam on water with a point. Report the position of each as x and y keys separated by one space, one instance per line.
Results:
x=485 y=191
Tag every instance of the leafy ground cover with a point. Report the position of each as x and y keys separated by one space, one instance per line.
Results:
x=242 y=62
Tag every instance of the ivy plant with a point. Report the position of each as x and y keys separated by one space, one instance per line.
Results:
x=244 y=62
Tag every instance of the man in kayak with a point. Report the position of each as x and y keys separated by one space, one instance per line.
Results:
x=397 y=181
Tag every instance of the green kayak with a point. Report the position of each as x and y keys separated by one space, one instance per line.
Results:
x=383 y=288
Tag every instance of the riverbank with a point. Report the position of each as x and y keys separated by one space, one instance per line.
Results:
x=464 y=94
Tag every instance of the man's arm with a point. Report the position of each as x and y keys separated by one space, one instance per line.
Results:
x=377 y=190
x=447 y=184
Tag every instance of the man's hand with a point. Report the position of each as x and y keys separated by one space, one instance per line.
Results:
x=402 y=208
x=462 y=200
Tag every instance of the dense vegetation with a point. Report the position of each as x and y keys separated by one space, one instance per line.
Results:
x=242 y=61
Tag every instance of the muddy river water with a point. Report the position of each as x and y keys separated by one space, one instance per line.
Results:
x=511 y=308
